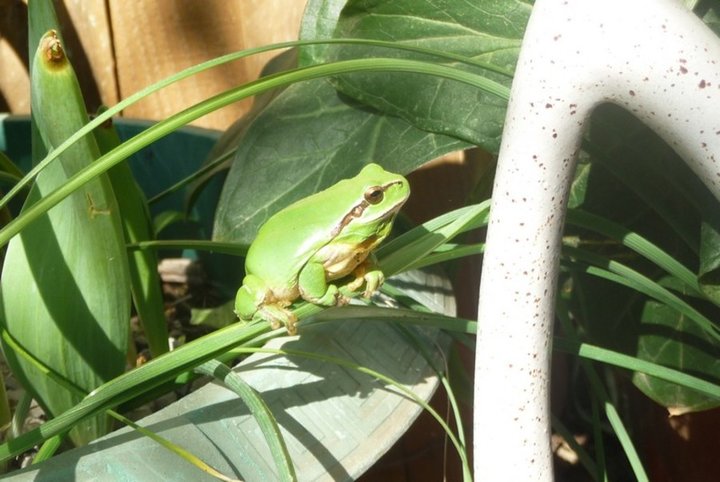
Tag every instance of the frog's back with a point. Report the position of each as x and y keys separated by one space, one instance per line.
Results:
x=287 y=240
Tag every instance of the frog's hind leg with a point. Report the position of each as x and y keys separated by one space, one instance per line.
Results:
x=314 y=287
x=250 y=297
x=254 y=300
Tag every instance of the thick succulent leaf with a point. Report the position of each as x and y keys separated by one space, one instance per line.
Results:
x=146 y=286
x=65 y=286
x=668 y=338
x=488 y=31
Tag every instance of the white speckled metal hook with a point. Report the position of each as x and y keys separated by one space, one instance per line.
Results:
x=652 y=57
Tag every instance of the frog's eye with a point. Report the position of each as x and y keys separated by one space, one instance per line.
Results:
x=374 y=194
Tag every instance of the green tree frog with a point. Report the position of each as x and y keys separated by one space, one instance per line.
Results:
x=329 y=236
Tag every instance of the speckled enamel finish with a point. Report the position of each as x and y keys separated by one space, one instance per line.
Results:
x=652 y=57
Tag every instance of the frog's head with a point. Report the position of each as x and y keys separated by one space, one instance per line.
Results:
x=378 y=195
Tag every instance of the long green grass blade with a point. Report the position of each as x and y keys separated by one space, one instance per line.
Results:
x=197 y=244
x=418 y=232
x=424 y=239
x=610 y=357
x=145 y=283
x=203 y=171
x=622 y=274
x=624 y=437
x=448 y=252
x=637 y=243
x=422 y=346
x=601 y=397
x=174 y=448
x=398 y=315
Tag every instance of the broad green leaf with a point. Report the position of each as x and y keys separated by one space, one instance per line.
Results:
x=669 y=338
x=488 y=31
x=578 y=188
x=709 y=12
x=220 y=157
x=65 y=286
x=308 y=137
x=709 y=270
x=318 y=22
x=305 y=140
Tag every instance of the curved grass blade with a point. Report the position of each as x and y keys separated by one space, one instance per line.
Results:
x=448 y=252
x=173 y=122
x=437 y=223
x=424 y=239
x=176 y=449
x=619 y=273
x=261 y=412
x=197 y=175
x=637 y=243
x=141 y=380
x=610 y=357
x=402 y=389
x=52 y=444
x=602 y=397
x=499 y=90
x=397 y=315
x=422 y=345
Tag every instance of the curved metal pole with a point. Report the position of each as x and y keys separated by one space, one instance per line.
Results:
x=652 y=57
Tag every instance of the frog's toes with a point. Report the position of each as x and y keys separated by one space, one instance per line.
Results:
x=279 y=316
x=341 y=300
x=373 y=281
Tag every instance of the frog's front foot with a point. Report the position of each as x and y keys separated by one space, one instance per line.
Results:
x=279 y=316
x=371 y=278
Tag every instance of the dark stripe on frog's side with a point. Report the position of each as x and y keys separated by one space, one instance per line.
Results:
x=357 y=211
